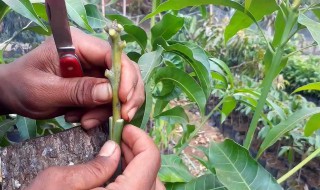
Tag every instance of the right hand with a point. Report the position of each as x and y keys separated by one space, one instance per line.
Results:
x=141 y=156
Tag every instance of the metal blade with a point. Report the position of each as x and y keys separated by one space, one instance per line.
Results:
x=58 y=19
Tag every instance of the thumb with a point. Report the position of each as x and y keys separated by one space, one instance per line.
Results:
x=85 y=92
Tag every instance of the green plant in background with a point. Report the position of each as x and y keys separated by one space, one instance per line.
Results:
x=175 y=67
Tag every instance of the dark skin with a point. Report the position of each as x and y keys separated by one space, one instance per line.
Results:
x=34 y=88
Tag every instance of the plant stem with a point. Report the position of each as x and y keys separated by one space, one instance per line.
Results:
x=299 y=166
x=114 y=75
x=155 y=4
x=204 y=121
x=300 y=50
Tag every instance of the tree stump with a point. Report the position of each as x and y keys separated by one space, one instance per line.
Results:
x=20 y=163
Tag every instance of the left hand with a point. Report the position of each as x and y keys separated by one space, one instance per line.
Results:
x=32 y=86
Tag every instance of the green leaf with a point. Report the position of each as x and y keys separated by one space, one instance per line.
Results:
x=120 y=19
x=285 y=126
x=136 y=34
x=185 y=82
x=148 y=62
x=311 y=86
x=312 y=26
x=77 y=13
x=188 y=130
x=38 y=30
x=41 y=11
x=62 y=123
x=174 y=116
x=312 y=125
x=1 y=56
x=27 y=127
x=228 y=106
x=148 y=107
x=173 y=170
x=197 y=59
x=236 y=169
x=25 y=8
x=205 y=182
x=4 y=9
x=95 y=19
x=225 y=68
x=279 y=25
x=240 y=20
x=161 y=29
x=180 y=4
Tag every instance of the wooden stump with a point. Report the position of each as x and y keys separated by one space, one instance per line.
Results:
x=21 y=163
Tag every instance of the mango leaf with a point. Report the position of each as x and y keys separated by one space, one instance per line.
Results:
x=228 y=106
x=95 y=19
x=180 y=4
x=148 y=107
x=189 y=86
x=120 y=19
x=159 y=106
x=312 y=26
x=148 y=62
x=174 y=115
x=312 y=125
x=62 y=123
x=41 y=11
x=77 y=13
x=222 y=65
x=247 y=4
x=173 y=170
x=1 y=56
x=205 y=182
x=135 y=34
x=25 y=8
x=38 y=30
x=268 y=57
x=197 y=59
x=279 y=24
x=285 y=126
x=161 y=29
x=27 y=127
x=311 y=86
x=4 y=9
x=317 y=11
x=188 y=131
x=240 y=20
x=236 y=169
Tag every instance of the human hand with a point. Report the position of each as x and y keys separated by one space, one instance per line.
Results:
x=141 y=156
x=32 y=86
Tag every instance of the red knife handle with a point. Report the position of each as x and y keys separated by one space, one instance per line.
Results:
x=70 y=66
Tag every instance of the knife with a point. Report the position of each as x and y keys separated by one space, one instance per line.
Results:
x=69 y=63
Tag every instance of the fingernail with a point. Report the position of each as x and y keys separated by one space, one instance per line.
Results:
x=107 y=149
x=90 y=123
x=130 y=94
x=102 y=93
x=72 y=119
x=131 y=113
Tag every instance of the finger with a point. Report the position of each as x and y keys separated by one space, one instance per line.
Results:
x=127 y=153
x=130 y=108
x=77 y=92
x=129 y=79
x=96 y=117
x=146 y=161
x=85 y=176
x=74 y=116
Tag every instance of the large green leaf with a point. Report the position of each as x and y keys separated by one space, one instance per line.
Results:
x=148 y=62
x=27 y=127
x=174 y=116
x=285 y=126
x=197 y=59
x=240 y=20
x=312 y=125
x=41 y=11
x=77 y=13
x=311 y=86
x=313 y=26
x=236 y=169
x=95 y=18
x=135 y=34
x=189 y=86
x=180 y=4
x=161 y=29
x=4 y=9
x=205 y=182
x=173 y=170
x=25 y=8
x=279 y=24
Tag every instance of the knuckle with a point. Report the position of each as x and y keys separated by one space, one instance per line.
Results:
x=81 y=92
x=100 y=167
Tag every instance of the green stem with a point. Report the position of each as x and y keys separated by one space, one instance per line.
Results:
x=300 y=50
x=299 y=166
x=155 y=4
x=204 y=121
x=114 y=76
